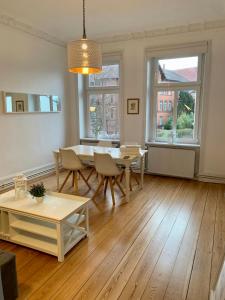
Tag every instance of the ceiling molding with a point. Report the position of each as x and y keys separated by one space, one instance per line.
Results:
x=13 y=23
x=195 y=27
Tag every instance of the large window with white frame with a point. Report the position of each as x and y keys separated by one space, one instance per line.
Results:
x=176 y=86
x=103 y=102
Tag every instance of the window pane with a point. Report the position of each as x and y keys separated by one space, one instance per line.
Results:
x=185 y=114
x=111 y=116
x=104 y=115
x=108 y=77
x=183 y=69
x=164 y=126
x=95 y=114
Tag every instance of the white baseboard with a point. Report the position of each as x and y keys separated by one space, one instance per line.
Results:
x=7 y=182
x=213 y=179
x=203 y=178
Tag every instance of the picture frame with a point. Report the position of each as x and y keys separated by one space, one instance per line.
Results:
x=133 y=106
x=19 y=106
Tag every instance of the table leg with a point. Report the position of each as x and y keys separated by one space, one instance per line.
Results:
x=56 y=157
x=142 y=170
x=127 y=173
x=75 y=181
x=87 y=220
x=60 y=242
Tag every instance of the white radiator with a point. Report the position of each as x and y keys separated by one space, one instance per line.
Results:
x=173 y=162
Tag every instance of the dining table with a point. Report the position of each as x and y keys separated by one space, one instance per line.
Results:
x=86 y=155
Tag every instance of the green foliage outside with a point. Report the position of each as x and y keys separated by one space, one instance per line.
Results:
x=185 y=112
x=185 y=121
x=186 y=103
x=169 y=124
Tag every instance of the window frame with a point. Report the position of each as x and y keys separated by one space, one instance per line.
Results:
x=88 y=90
x=156 y=87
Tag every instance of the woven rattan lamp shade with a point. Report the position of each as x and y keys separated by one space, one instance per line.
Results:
x=84 y=57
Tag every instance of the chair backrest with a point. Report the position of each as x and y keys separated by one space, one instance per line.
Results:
x=105 y=143
x=105 y=165
x=70 y=160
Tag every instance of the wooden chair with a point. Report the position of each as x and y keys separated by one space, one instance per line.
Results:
x=107 y=168
x=72 y=163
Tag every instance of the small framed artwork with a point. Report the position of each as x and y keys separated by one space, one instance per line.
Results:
x=133 y=106
x=19 y=106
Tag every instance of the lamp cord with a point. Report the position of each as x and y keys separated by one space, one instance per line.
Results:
x=84 y=29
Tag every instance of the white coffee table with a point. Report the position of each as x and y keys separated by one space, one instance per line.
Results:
x=53 y=226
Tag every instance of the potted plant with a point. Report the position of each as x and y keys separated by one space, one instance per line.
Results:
x=38 y=191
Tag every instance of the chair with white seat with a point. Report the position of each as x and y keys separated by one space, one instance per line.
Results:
x=107 y=168
x=103 y=143
x=72 y=163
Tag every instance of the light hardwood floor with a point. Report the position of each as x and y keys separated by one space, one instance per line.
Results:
x=166 y=243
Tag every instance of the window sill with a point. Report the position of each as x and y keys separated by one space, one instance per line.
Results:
x=173 y=146
x=93 y=140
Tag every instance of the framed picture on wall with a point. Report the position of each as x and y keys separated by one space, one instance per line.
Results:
x=133 y=106
x=20 y=106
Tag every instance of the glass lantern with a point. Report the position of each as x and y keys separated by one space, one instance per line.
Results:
x=20 y=182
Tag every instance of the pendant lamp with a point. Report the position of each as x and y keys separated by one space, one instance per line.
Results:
x=84 y=56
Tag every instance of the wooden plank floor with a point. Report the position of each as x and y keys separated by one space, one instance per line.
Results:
x=166 y=243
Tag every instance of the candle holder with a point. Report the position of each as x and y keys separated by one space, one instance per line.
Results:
x=20 y=182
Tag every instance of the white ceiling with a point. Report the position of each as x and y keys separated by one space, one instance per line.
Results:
x=63 y=19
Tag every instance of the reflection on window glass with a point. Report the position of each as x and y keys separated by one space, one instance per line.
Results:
x=55 y=103
x=104 y=115
x=9 y=107
x=44 y=103
x=183 y=69
x=108 y=77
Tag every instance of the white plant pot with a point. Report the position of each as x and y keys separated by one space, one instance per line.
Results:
x=39 y=199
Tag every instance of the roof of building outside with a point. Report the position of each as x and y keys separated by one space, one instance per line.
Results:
x=180 y=75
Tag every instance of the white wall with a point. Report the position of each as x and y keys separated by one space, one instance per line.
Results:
x=212 y=158
x=32 y=65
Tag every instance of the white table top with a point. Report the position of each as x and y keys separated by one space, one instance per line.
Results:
x=56 y=206
x=88 y=151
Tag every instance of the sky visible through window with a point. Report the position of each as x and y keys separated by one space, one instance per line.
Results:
x=179 y=63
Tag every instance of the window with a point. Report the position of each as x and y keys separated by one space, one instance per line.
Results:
x=161 y=105
x=179 y=79
x=103 y=102
x=160 y=121
x=165 y=105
